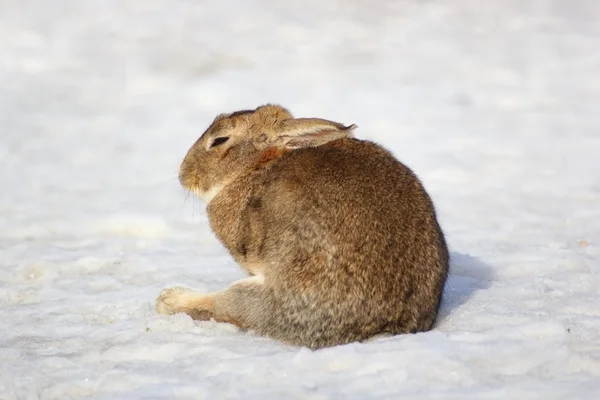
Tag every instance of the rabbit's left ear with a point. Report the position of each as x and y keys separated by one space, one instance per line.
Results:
x=310 y=132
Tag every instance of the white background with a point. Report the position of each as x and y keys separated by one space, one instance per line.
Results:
x=494 y=104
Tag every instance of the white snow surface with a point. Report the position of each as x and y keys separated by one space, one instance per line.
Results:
x=494 y=104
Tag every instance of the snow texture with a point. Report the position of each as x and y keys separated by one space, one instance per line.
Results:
x=495 y=105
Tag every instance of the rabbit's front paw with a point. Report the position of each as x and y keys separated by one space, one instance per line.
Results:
x=174 y=300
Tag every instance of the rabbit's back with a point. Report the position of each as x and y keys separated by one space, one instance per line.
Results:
x=351 y=243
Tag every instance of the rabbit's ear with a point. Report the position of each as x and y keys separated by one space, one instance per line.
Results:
x=310 y=132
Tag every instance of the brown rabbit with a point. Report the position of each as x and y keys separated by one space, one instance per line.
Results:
x=340 y=239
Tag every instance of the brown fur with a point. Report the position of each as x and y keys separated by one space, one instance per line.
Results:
x=343 y=238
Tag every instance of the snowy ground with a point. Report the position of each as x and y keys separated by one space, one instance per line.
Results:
x=494 y=104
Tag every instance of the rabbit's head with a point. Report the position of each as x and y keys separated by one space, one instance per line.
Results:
x=235 y=143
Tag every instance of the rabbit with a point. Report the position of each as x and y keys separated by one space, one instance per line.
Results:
x=340 y=240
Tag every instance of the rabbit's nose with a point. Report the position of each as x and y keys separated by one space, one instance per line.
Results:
x=188 y=181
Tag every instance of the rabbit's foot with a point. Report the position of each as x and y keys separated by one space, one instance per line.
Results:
x=182 y=300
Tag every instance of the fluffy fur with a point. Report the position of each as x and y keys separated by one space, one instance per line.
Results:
x=340 y=239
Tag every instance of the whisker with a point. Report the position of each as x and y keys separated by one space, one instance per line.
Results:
x=187 y=196
x=193 y=197
x=198 y=205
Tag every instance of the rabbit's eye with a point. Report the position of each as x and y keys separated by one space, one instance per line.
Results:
x=218 y=141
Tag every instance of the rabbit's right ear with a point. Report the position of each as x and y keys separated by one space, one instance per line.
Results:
x=309 y=132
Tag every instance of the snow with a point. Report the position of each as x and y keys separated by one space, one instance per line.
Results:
x=493 y=104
